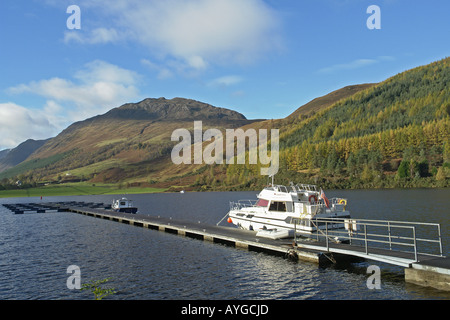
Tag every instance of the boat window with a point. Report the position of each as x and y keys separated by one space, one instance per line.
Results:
x=262 y=203
x=278 y=206
x=122 y=203
x=283 y=189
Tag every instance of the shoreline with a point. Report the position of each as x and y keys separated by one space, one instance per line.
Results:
x=113 y=189
x=75 y=190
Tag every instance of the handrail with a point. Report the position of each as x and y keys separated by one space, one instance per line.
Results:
x=236 y=205
x=390 y=225
x=369 y=239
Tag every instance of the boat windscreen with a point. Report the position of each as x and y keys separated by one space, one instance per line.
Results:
x=262 y=203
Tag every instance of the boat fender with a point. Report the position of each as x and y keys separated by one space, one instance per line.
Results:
x=292 y=255
x=312 y=197
x=344 y=202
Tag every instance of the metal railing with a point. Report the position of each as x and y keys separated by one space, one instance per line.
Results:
x=237 y=205
x=383 y=234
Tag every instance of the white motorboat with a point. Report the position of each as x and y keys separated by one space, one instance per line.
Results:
x=124 y=205
x=281 y=211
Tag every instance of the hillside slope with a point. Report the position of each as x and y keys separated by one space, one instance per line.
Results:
x=327 y=100
x=392 y=134
x=362 y=140
x=123 y=142
x=13 y=157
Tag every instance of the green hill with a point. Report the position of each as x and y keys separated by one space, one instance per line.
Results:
x=387 y=135
x=11 y=158
x=391 y=134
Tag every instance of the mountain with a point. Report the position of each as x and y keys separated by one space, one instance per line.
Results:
x=123 y=143
x=177 y=109
x=3 y=153
x=12 y=157
x=147 y=122
x=395 y=133
x=328 y=100
x=392 y=134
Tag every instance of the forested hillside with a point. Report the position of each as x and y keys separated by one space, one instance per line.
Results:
x=393 y=134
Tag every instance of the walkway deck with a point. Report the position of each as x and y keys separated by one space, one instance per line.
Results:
x=248 y=239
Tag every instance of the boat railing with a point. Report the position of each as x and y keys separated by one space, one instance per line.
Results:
x=306 y=187
x=415 y=237
x=336 y=204
x=237 y=205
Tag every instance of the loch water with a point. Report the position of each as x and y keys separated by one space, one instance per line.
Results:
x=36 y=250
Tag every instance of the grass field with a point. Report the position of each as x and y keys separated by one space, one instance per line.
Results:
x=75 y=189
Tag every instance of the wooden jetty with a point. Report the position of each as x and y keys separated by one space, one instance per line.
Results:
x=420 y=269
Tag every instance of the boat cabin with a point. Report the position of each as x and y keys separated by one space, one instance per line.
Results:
x=123 y=205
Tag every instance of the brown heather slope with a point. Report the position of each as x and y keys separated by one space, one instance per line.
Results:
x=328 y=100
x=135 y=137
x=310 y=108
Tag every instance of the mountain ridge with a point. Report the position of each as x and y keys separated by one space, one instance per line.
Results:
x=15 y=156
x=357 y=136
x=178 y=109
x=129 y=134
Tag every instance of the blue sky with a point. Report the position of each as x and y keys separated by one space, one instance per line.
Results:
x=263 y=58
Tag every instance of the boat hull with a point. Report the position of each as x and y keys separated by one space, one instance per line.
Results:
x=275 y=234
x=127 y=210
x=285 y=222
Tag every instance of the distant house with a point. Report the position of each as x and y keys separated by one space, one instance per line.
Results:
x=18 y=183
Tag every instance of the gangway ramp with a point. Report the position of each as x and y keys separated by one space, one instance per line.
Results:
x=399 y=243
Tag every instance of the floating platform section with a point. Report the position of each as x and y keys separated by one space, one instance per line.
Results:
x=433 y=273
x=223 y=235
x=47 y=207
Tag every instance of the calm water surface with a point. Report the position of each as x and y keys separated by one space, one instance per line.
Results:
x=36 y=249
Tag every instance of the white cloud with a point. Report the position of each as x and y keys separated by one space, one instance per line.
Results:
x=98 y=70
x=163 y=72
x=348 y=66
x=355 y=64
x=96 y=36
x=100 y=86
x=18 y=124
x=197 y=33
x=95 y=89
x=226 y=81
